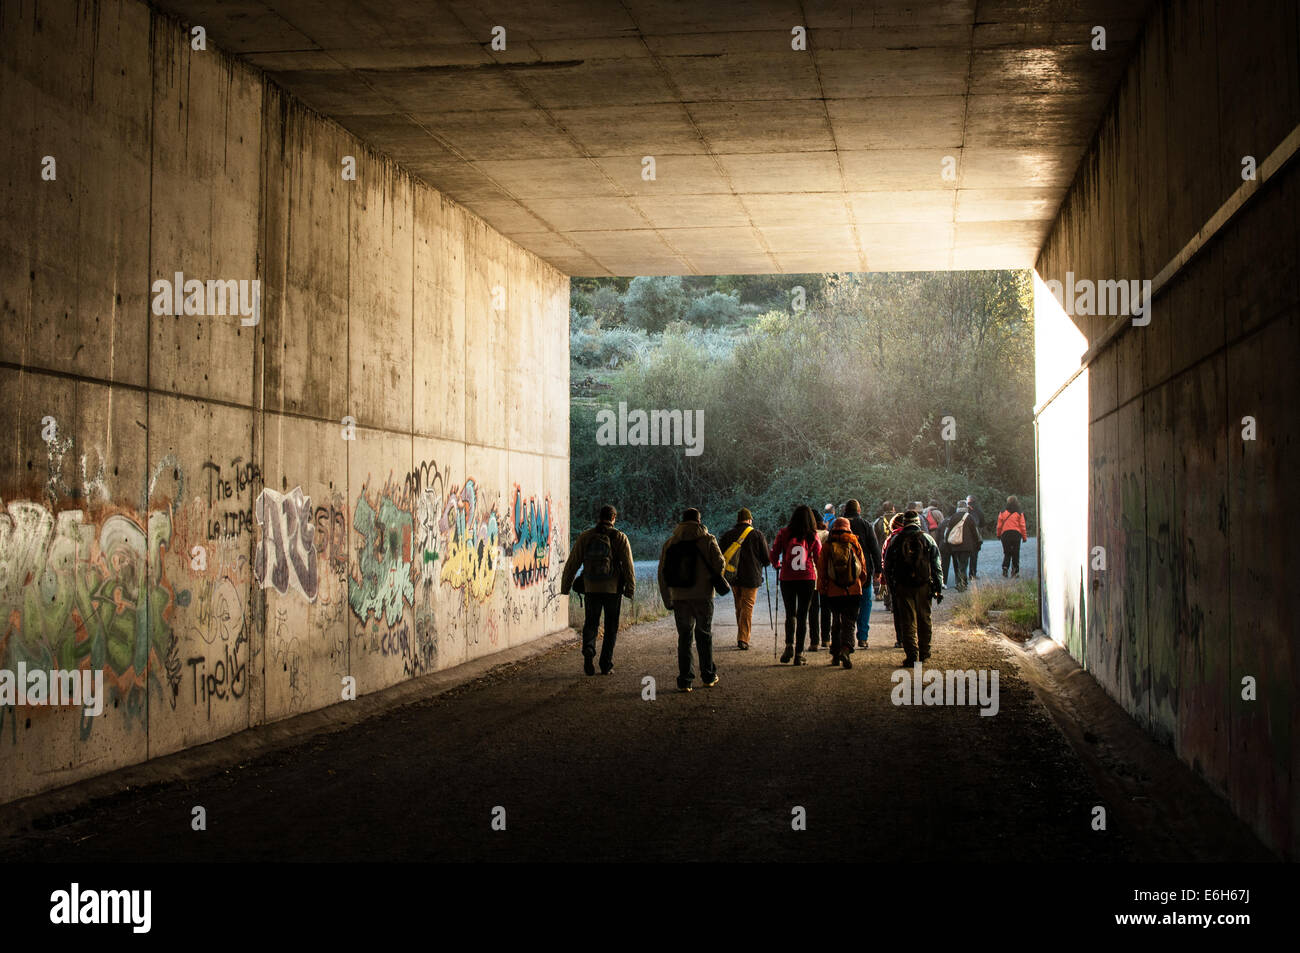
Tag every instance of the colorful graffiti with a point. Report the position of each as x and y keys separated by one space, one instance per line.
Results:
x=286 y=553
x=79 y=596
x=530 y=556
x=472 y=543
x=382 y=581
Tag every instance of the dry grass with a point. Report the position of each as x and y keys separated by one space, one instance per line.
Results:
x=1010 y=606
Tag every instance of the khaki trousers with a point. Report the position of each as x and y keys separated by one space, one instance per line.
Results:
x=744 y=611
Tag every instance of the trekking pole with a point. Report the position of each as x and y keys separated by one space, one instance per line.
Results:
x=771 y=610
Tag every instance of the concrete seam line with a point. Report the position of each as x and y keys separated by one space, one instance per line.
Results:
x=1272 y=164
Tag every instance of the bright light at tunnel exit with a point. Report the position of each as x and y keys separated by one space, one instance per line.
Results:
x=1063 y=473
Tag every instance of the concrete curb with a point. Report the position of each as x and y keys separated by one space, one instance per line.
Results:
x=192 y=763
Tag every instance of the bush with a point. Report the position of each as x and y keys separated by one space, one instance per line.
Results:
x=714 y=310
x=595 y=347
x=606 y=306
x=653 y=303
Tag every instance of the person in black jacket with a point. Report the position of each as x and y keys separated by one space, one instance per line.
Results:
x=871 y=551
x=979 y=528
x=960 y=553
x=744 y=570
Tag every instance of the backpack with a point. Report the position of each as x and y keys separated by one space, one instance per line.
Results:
x=911 y=560
x=957 y=535
x=598 y=559
x=932 y=519
x=730 y=557
x=679 y=564
x=842 y=562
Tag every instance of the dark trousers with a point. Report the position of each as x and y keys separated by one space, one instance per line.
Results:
x=912 y=621
x=961 y=568
x=819 y=619
x=974 y=562
x=1011 y=553
x=945 y=556
x=797 y=596
x=694 y=619
x=609 y=603
x=844 y=622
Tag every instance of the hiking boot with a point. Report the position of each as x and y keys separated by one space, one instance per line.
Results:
x=607 y=671
x=787 y=654
x=897 y=644
x=813 y=647
x=862 y=644
x=908 y=663
x=848 y=662
x=835 y=661
x=743 y=646
x=589 y=666
x=800 y=660
x=709 y=683
x=683 y=688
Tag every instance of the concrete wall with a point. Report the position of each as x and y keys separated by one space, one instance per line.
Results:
x=1199 y=589
x=179 y=508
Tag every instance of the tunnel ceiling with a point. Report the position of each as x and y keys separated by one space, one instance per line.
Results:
x=766 y=159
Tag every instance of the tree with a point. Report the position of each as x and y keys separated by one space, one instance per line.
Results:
x=653 y=303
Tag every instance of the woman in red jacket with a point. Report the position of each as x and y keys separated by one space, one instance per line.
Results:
x=1011 y=530
x=794 y=552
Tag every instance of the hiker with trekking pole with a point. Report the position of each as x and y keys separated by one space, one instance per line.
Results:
x=745 y=558
x=795 y=551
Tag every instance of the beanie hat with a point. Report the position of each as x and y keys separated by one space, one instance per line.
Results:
x=911 y=516
x=743 y=515
x=691 y=515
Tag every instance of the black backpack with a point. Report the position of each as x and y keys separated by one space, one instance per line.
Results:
x=598 y=559
x=911 y=560
x=680 y=562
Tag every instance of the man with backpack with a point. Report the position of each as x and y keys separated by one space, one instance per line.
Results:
x=871 y=556
x=605 y=557
x=913 y=576
x=841 y=577
x=961 y=536
x=690 y=569
x=744 y=554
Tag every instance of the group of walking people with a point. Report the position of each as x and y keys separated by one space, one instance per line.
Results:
x=829 y=572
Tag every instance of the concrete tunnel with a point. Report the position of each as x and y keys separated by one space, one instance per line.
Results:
x=284 y=341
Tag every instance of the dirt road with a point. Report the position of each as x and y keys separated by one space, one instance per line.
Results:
x=585 y=768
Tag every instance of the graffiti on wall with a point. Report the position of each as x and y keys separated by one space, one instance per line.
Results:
x=76 y=594
x=381 y=582
x=171 y=599
x=286 y=555
x=472 y=542
x=532 y=539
